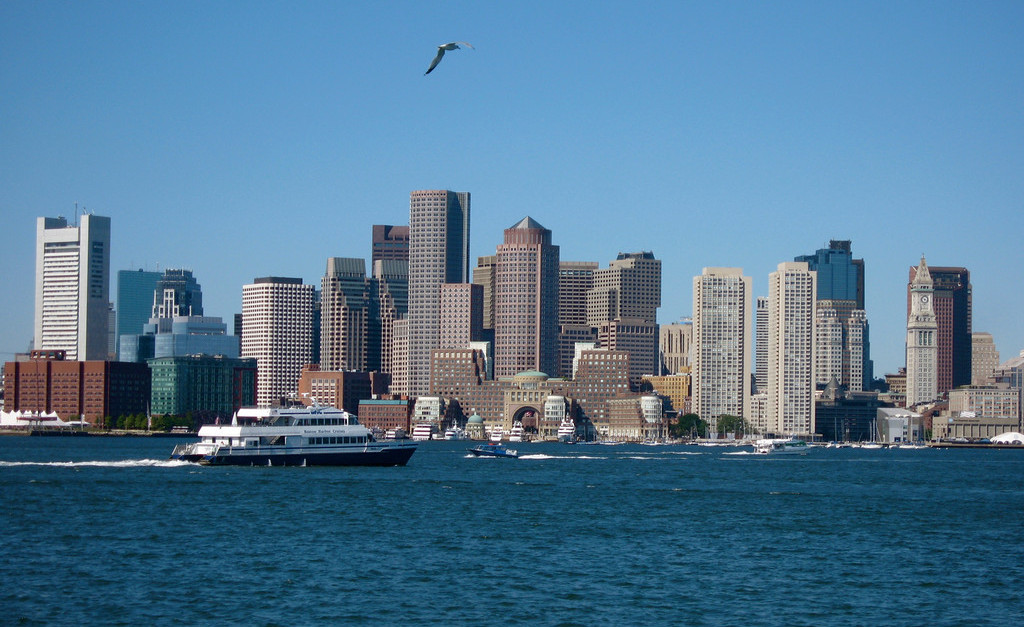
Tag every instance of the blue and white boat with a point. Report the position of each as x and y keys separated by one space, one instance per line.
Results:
x=780 y=446
x=494 y=450
x=293 y=436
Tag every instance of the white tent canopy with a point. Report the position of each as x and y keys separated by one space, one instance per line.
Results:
x=1011 y=437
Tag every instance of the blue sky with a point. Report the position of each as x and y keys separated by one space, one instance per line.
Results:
x=245 y=139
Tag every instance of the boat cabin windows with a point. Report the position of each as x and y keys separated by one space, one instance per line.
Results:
x=321 y=422
x=337 y=440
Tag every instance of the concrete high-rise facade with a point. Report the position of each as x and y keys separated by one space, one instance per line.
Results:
x=674 y=342
x=438 y=254
x=575 y=280
x=952 y=304
x=344 y=315
x=761 y=344
x=277 y=331
x=841 y=290
x=73 y=287
x=177 y=294
x=389 y=242
x=390 y=299
x=526 y=301
x=135 y=290
x=984 y=358
x=462 y=314
x=722 y=347
x=922 y=336
x=792 y=291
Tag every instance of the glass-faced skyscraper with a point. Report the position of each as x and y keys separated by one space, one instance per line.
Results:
x=73 y=287
x=135 y=290
x=438 y=253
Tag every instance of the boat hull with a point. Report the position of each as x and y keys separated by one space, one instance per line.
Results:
x=377 y=456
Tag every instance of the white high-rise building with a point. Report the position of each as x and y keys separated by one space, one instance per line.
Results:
x=922 y=340
x=73 y=287
x=438 y=254
x=792 y=299
x=277 y=330
x=761 y=344
x=722 y=310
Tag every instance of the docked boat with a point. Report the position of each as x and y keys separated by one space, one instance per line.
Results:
x=496 y=434
x=293 y=436
x=423 y=431
x=455 y=433
x=780 y=446
x=494 y=450
x=567 y=431
x=516 y=434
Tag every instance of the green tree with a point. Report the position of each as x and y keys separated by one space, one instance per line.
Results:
x=688 y=425
x=732 y=424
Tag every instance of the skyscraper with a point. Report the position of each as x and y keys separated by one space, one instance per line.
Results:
x=135 y=290
x=526 y=301
x=922 y=347
x=761 y=345
x=438 y=253
x=791 y=320
x=462 y=314
x=389 y=242
x=277 y=330
x=344 y=315
x=177 y=294
x=722 y=309
x=390 y=299
x=841 y=309
x=952 y=304
x=73 y=287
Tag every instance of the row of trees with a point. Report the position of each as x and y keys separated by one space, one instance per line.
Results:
x=693 y=426
x=141 y=422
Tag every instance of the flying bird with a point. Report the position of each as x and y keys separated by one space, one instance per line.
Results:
x=440 y=53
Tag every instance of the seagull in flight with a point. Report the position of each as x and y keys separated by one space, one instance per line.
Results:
x=440 y=53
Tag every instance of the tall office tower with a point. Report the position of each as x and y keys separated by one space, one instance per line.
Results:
x=984 y=358
x=722 y=308
x=344 y=315
x=841 y=283
x=761 y=345
x=792 y=290
x=526 y=301
x=438 y=253
x=277 y=330
x=462 y=314
x=922 y=347
x=952 y=304
x=390 y=301
x=135 y=290
x=637 y=337
x=73 y=286
x=575 y=280
x=483 y=275
x=400 y=357
x=389 y=242
x=177 y=294
x=674 y=342
x=630 y=287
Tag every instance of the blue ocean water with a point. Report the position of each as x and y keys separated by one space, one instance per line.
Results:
x=107 y=531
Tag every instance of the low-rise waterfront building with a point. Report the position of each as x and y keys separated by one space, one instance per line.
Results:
x=206 y=386
x=386 y=413
x=339 y=388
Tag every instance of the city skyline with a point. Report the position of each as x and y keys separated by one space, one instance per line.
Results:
x=732 y=136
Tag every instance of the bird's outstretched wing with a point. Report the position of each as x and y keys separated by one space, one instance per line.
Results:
x=465 y=44
x=437 y=59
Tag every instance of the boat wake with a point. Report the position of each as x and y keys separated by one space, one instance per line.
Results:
x=544 y=456
x=125 y=463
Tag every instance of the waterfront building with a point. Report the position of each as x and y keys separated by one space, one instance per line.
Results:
x=636 y=418
x=343 y=389
x=984 y=357
x=845 y=416
x=761 y=345
x=277 y=331
x=135 y=289
x=722 y=309
x=674 y=342
x=72 y=287
x=674 y=387
x=207 y=386
x=389 y=242
x=951 y=301
x=636 y=336
x=922 y=348
x=526 y=301
x=757 y=420
x=91 y=390
x=987 y=401
x=438 y=253
x=792 y=290
x=841 y=304
x=462 y=314
x=895 y=425
x=386 y=413
x=345 y=316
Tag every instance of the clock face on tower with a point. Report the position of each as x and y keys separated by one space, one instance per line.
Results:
x=924 y=298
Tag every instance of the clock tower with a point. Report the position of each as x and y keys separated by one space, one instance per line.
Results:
x=922 y=346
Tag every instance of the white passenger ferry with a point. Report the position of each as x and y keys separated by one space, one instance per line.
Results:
x=780 y=446
x=293 y=436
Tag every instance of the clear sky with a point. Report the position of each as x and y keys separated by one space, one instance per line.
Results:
x=245 y=139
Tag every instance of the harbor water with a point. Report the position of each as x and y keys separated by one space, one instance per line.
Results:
x=107 y=531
